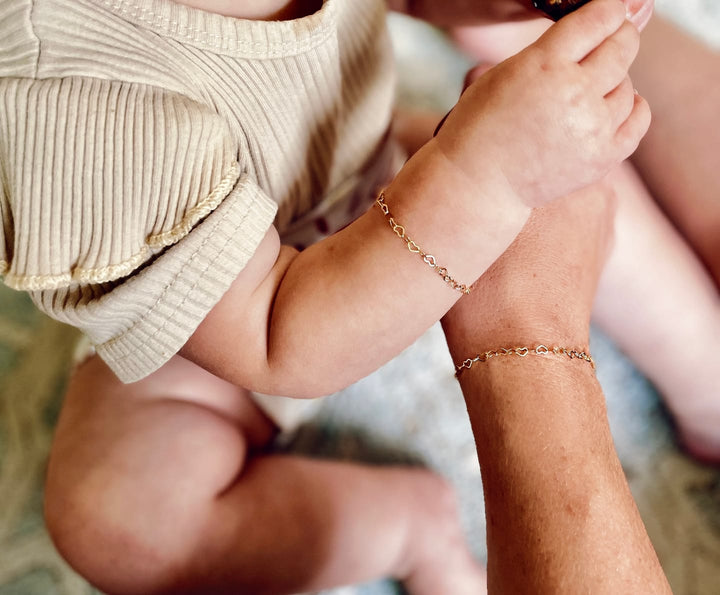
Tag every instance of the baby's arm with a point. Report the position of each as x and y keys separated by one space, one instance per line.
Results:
x=310 y=323
x=554 y=118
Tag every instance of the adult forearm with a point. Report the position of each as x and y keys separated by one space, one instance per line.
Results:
x=560 y=516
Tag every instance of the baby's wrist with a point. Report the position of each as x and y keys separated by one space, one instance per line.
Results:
x=448 y=212
x=483 y=169
x=476 y=194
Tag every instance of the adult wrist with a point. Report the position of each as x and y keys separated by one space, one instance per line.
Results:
x=474 y=326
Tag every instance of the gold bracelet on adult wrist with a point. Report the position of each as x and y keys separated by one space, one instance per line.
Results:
x=523 y=352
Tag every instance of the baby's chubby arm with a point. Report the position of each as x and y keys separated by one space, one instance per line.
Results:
x=550 y=120
x=310 y=323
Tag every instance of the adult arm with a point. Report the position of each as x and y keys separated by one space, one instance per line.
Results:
x=560 y=515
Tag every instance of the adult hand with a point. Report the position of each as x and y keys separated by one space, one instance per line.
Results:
x=541 y=290
x=638 y=11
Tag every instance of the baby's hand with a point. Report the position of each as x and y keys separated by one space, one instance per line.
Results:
x=557 y=116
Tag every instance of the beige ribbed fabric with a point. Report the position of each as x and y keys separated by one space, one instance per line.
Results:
x=146 y=147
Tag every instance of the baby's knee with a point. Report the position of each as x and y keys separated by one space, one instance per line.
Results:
x=129 y=524
x=102 y=543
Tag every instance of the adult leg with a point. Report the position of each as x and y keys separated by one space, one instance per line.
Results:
x=659 y=304
x=159 y=487
x=678 y=159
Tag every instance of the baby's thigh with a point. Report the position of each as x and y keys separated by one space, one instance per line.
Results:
x=139 y=463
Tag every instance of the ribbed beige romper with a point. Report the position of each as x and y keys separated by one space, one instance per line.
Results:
x=146 y=148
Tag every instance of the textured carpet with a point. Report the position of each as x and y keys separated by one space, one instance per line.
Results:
x=410 y=411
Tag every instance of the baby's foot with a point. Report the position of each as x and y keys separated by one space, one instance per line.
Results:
x=454 y=573
x=438 y=561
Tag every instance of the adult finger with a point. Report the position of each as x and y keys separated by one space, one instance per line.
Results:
x=640 y=12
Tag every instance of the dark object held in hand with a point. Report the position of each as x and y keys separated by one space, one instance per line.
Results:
x=556 y=9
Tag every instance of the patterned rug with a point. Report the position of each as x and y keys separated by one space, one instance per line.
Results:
x=409 y=411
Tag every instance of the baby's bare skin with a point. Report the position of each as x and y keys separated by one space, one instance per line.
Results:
x=260 y=10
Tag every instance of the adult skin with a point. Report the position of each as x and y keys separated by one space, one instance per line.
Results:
x=671 y=260
x=560 y=516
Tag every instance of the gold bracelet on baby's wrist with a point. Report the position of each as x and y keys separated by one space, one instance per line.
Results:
x=428 y=259
x=540 y=350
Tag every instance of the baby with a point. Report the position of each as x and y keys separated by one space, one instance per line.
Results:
x=167 y=170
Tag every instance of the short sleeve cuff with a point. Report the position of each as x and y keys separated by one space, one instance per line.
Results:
x=142 y=323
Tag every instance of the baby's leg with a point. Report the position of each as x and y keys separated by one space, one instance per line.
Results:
x=661 y=307
x=158 y=487
x=678 y=159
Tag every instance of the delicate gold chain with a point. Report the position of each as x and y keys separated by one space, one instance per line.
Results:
x=428 y=259
x=524 y=352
